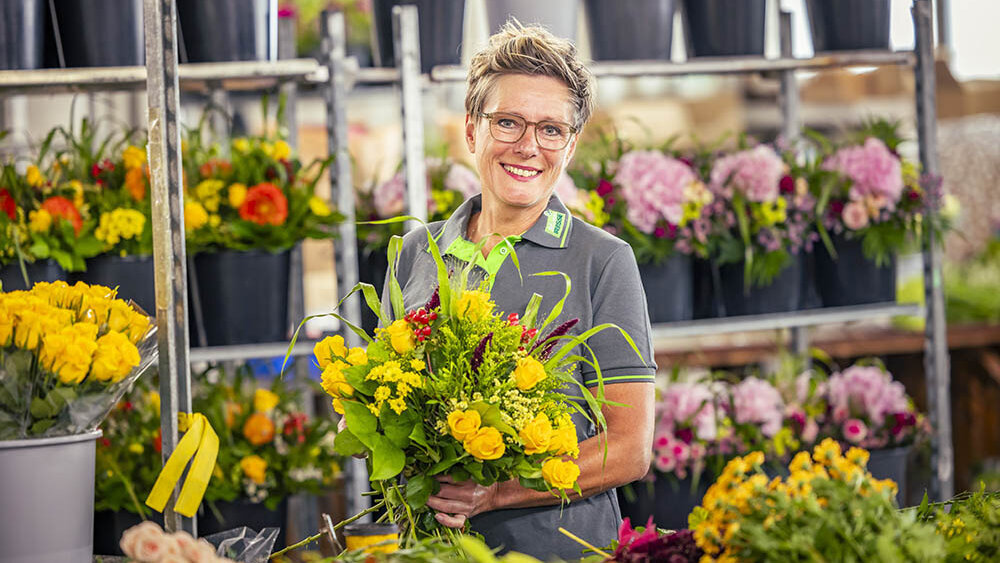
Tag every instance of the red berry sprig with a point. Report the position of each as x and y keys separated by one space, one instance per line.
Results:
x=421 y=320
x=528 y=334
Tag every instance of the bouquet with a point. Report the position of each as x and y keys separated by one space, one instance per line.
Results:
x=260 y=196
x=457 y=388
x=449 y=183
x=67 y=355
x=828 y=508
x=148 y=543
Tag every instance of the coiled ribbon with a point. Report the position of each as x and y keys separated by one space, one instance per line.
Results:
x=200 y=442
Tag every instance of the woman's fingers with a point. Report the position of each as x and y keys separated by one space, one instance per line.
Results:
x=450 y=506
x=456 y=521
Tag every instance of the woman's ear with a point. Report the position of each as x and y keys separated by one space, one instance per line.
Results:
x=470 y=133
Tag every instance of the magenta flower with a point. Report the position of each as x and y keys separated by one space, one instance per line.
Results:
x=756 y=173
x=874 y=171
x=653 y=184
x=855 y=430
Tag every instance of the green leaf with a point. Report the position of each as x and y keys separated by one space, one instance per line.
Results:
x=41 y=426
x=64 y=258
x=347 y=443
x=40 y=408
x=395 y=291
x=476 y=550
x=88 y=246
x=418 y=436
x=475 y=469
x=490 y=416
x=554 y=313
x=397 y=427
x=418 y=489
x=361 y=422
x=39 y=249
x=355 y=376
x=387 y=459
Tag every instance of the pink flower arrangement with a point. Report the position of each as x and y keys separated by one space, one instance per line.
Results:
x=389 y=197
x=148 y=543
x=866 y=407
x=756 y=401
x=686 y=428
x=756 y=173
x=653 y=186
x=875 y=172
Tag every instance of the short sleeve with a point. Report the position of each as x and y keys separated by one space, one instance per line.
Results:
x=619 y=298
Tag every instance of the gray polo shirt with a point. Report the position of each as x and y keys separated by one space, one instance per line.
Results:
x=605 y=288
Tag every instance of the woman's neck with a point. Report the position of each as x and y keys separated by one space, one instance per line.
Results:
x=490 y=222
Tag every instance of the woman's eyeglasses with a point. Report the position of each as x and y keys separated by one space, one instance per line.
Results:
x=510 y=128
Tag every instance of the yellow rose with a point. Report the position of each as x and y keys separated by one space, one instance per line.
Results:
x=463 y=424
x=195 y=216
x=264 y=400
x=68 y=352
x=338 y=407
x=115 y=357
x=319 y=207
x=560 y=474
x=237 y=193
x=333 y=380
x=281 y=150
x=536 y=435
x=6 y=325
x=134 y=157
x=401 y=336
x=39 y=221
x=564 y=442
x=255 y=468
x=258 y=429
x=474 y=306
x=528 y=373
x=486 y=443
x=329 y=349
x=34 y=177
x=357 y=357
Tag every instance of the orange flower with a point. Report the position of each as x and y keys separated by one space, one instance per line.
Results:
x=265 y=205
x=258 y=429
x=135 y=183
x=58 y=206
x=215 y=167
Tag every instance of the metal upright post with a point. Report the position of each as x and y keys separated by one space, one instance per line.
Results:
x=406 y=37
x=218 y=120
x=936 y=362
x=160 y=18
x=342 y=192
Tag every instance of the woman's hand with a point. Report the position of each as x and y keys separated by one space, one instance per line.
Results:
x=456 y=502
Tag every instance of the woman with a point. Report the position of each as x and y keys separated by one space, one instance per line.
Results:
x=528 y=98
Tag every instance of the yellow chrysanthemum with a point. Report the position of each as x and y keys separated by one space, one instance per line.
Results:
x=264 y=400
x=195 y=216
x=255 y=468
x=133 y=157
x=34 y=176
x=39 y=221
x=237 y=195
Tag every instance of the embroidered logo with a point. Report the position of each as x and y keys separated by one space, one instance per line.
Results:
x=555 y=222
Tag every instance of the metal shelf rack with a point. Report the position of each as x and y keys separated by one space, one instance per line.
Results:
x=921 y=59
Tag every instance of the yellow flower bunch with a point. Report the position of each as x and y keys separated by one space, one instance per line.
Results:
x=120 y=224
x=333 y=358
x=474 y=306
x=696 y=196
x=133 y=157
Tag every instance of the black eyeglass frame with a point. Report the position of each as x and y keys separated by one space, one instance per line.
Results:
x=490 y=116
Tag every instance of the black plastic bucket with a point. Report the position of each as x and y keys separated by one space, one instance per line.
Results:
x=852 y=279
x=97 y=33
x=109 y=525
x=40 y=271
x=890 y=463
x=630 y=29
x=22 y=32
x=669 y=291
x=781 y=296
x=723 y=28
x=228 y=30
x=133 y=275
x=669 y=501
x=849 y=24
x=372 y=268
x=440 y=23
x=244 y=296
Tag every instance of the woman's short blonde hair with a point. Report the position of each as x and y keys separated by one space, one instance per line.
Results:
x=531 y=50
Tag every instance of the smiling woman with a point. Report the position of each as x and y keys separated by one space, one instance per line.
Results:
x=528 y=98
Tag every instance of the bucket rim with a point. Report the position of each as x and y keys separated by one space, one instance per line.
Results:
x=53 y=441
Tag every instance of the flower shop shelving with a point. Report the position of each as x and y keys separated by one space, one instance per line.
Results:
x=162 y=78
x=921 y=59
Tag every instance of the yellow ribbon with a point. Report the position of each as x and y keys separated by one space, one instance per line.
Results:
x=201 y=442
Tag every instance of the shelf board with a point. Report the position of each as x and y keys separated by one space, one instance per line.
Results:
x=249 y=351
x=234 y=76
x=720 y=65
x=774 y=321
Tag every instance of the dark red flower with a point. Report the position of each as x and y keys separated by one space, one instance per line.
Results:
x=688 y=161
x=660 y=232
x=837 y=207
x=610 y=201
x=685 y=435
x=787 y=184
x=7 y=204
x=604 y=188
x=913 y=195
x=104 y=442
x=158 y=441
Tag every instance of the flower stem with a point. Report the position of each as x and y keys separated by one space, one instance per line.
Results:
x=308 y=540
x=583 y=542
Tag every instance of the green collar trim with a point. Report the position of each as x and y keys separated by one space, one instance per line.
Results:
x=466 y=251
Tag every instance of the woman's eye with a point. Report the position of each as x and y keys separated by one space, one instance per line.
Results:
x=552 y=130
x=507 y=123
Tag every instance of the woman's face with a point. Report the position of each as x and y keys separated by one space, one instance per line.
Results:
x=520 y=175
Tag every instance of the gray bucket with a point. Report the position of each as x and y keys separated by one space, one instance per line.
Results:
x=47 y=499
x=558 y=16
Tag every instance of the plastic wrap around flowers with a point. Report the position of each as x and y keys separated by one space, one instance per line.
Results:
x=67 y=355
x=457 y=388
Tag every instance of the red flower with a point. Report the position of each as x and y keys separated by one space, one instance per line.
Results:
x=63 y=208
x=7 y=205
x=158 y=441
x=295 y=425
x=787 y=184
x=265 y=205
x=104 y=442
x=604 y=188
x=215 y=167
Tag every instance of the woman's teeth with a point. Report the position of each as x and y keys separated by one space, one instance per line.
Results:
x=521 y=172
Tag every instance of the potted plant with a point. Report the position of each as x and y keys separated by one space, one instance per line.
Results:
x=22 y=35
x=850 y=24
x=94 y=33
x=67 y=354
x=631 y=29
x=440 y=22
x=243 y=213
x=357 y=15
x=724 y=28
x=449 y=183
x=558 y=16
x=228 y=30
x=870 y=202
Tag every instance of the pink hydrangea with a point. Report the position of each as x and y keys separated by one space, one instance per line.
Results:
x=652 y=184
x=463 y=180
x=756 y=173
x=874 y=171
x=756 y=401
x=866 y=392
x=567 y=191
x=689 y=403
x=389 y=196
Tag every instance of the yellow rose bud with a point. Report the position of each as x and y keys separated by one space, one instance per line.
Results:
x=357 y=357
x=329 y=349
x=474 y=306
x=536 y=435
x=333 y=381
x=115 y=357
x=68 y=352
x=264 y=400
x=486 y=443
x=463 y=424
x=401 y=336
x=237 y=193
x=564 y=442
x=528 y=373
x=319 y=207
x=255 y=468
x=560 y=474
